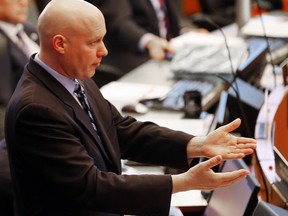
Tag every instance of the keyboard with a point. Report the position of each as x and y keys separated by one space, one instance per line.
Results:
x=210 y=90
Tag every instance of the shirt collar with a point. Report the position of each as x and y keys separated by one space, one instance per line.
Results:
x=68 y=83
x=11 y=30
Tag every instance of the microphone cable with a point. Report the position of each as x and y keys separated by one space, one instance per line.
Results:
x=234 y=80
x=238 y=98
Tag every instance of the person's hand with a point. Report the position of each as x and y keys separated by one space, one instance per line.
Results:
x=157 y=48
x=221 y=142
x=202 y=177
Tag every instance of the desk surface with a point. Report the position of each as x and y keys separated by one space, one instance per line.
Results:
x=188 y=201
x=151 y=72
x=158 y=73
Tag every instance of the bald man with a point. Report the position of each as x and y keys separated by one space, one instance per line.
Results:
x=66 y=163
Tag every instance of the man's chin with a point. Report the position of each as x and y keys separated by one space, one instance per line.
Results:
x=92 y=72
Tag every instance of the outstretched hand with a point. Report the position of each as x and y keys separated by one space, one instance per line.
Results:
x=222 y=142
x=202 y=177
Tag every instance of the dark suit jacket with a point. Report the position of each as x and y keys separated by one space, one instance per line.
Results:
x=126 y=22
x=58 y=165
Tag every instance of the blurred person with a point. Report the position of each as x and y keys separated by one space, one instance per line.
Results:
x=66 y=142
x=138 y=30
x=15 y=29
x=40 y=4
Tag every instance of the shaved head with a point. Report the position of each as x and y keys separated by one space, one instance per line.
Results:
x=67 y=18
x=68 y=29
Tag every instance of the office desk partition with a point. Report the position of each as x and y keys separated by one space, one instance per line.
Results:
x=271 y=133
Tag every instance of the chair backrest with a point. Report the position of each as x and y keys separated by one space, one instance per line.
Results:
x=212 y=6
x=222 y=12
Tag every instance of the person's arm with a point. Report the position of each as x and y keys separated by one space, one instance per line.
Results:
x=124 y=29
x=157 y=47
x=120 y=24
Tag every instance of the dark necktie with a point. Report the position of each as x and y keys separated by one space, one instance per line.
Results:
x=80 y=94
x=22 y=44
x=166 y=20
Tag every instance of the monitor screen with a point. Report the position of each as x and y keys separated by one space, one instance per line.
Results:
x=251 y=70
x=239 y=199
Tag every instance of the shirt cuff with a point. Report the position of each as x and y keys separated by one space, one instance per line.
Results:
x=144 y=40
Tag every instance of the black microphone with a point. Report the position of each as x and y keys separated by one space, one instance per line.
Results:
x=236 y=90
x=234 y=80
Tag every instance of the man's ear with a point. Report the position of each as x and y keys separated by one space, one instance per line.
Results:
x=59 y=43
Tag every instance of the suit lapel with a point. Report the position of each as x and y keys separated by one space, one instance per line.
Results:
x=16 y=53
x=60 y=91
x=110 y=149
x=82 y=117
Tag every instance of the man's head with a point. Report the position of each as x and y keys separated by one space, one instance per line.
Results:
x=14 y=11
x=71 y=37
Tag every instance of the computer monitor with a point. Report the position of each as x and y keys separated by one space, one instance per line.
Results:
x=220 y=115
x=252 y=69
x=239 y=199
x=267 y=209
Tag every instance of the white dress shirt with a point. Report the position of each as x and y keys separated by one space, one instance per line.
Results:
x=161 y=22
x=12 y=30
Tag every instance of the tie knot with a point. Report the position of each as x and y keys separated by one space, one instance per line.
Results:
x=19 y=34
x=77 y=88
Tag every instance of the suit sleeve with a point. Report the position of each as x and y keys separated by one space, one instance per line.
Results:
x=143 y=141
x=120 y=22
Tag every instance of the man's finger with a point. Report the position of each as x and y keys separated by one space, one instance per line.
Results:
x=213 y=162
x=230 y=178
x=247 y=141
x=231 y=126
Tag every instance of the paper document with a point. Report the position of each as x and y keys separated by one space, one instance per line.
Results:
x=272 y=26
x=128 y=92
x=191 y=126
x=188 y=198
x=207 y=53
x=198 y=38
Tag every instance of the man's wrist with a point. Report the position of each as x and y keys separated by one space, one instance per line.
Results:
x=195 y=147
x=144 y=40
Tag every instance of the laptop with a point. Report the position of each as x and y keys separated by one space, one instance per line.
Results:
x=239 y=199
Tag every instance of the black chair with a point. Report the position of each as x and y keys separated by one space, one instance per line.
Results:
x=222 y=12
